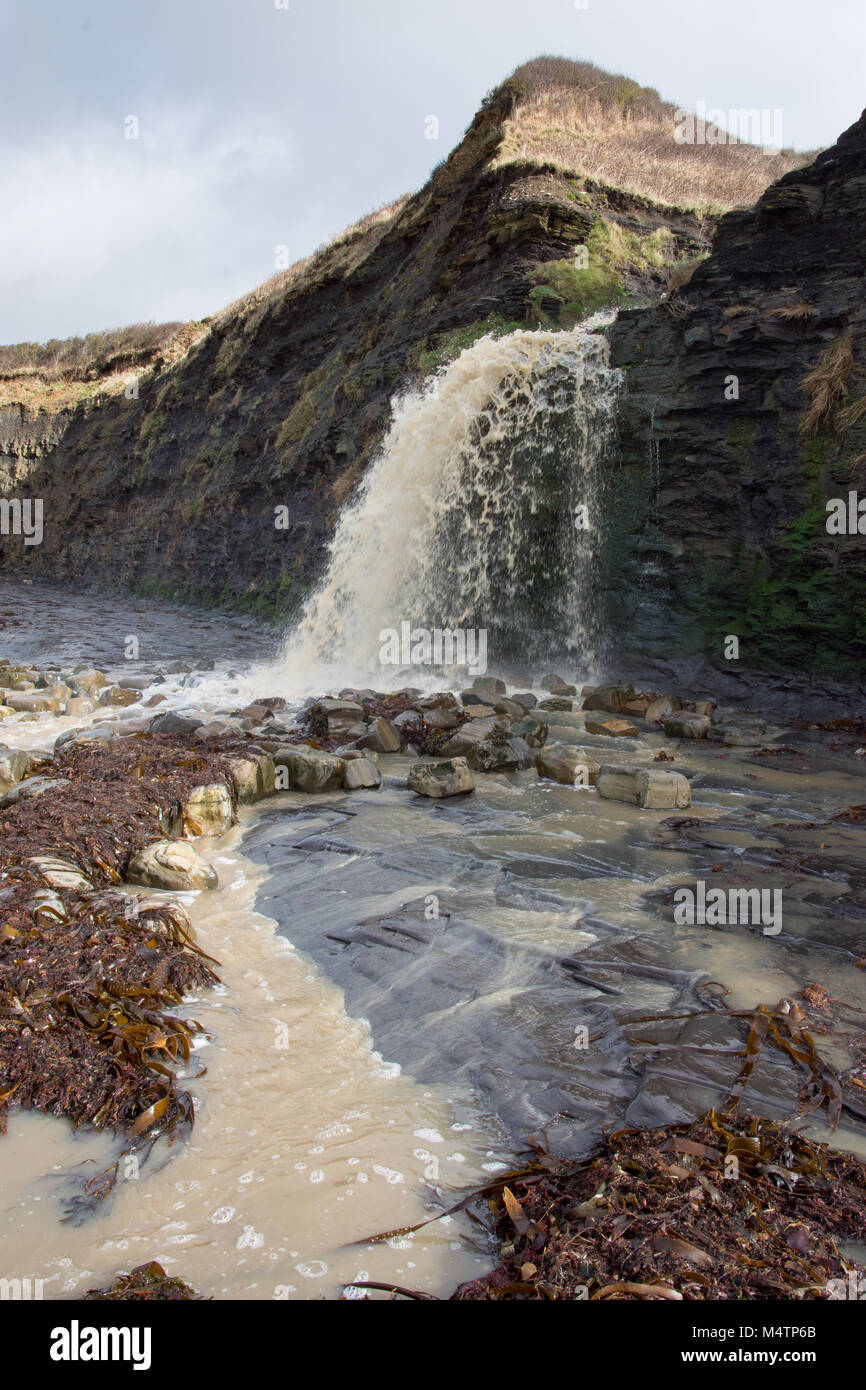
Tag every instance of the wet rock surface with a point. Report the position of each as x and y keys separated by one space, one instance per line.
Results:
x=485 y=937
x=725 y=530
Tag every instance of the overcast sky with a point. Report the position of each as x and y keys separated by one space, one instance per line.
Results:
x=262 y=126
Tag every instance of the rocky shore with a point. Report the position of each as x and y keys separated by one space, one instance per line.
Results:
x=97 y=834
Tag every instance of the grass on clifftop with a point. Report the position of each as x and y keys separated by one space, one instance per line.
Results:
x=90 y=355
x=578 y=117
x=58 y=374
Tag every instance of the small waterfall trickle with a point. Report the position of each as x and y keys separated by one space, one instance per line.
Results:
x=481 y=511
x=651 y=545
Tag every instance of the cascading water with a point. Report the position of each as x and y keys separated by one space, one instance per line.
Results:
x=482 y=511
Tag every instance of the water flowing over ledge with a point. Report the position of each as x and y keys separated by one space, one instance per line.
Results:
x=480 y=512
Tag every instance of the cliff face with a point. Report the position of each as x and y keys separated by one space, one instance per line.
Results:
x=745 y=414
x=280 y=402
x=213 y=467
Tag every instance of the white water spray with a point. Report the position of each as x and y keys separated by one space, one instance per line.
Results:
x=481 y=511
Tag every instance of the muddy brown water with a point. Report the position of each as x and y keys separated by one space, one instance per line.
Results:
x=306 y=1140
x=403 y=985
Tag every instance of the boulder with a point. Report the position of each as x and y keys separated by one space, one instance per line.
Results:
x=361 y=773
x=509 y=707
x=525 y=754
x=78 y=706
x=556 y=702
x=256 y=713
x=171 y=864
x=441 y=718
x=686 y=725
x=637 y=708
x=34 y=786
x=488 y=756
x=252 y=776
x=14 y=764
x=208 y=810
x=658 y=709
x=171 y=723
x=408 y=717
x=381 y=736
x=699 y=706
x=512 y=755
x=48 y=904
x=60 y=873
x=341 y=715
x=467 y=737
x=443 y=699
x=477 y=711
x=530 y=729
x=648 y=788
x=612 y=728
x=140 y=683
x=214 y=727
x=452 y=777
x=58 y=690
x=310 y=770
x=100 y=734
x=478 y=697
x=491 y=684
x=89 y=682
x=27 y=702
x=129 y=727
x=570 y=766
x=557 y=686
x=11 y=675
x=609 y=697
x=118 y=695
x=527 y=700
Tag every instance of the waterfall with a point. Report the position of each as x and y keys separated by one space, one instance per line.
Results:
x=482 y=510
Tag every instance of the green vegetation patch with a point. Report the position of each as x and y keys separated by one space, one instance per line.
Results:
x=566 y=291
x=447 y=346
x=312 y=402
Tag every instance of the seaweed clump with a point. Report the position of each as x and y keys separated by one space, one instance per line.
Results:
x=91 y=978
x=727 y=1207
x=87 y=1022
x=144 y=1284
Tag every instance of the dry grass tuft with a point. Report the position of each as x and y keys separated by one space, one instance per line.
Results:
x=608 y=128
x=801 y=310
x=852 y=413
x=827 y=385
